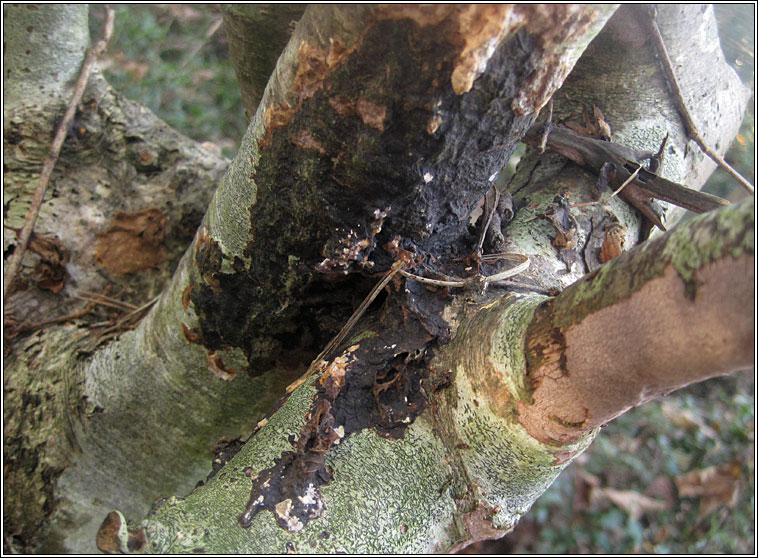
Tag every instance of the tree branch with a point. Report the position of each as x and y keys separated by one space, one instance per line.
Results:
x=692 y=131
x=257 y=33
x=14 y=261
x=667 y=314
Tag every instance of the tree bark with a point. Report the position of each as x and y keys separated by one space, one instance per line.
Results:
x=61 y=414
x=378 y=123
x=497 y=427
x=257 y=34
x=324 y=475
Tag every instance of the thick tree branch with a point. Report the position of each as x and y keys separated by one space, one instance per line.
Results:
x=672 y=312
x=257 y=33
x=47 y=167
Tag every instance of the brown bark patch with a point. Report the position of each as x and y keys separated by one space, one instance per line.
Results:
x=305 y=140
x=218 y=367
x=276 y=116
x=483 y=27
x=107 y=535
x=342 y=105
x=372 y=114
x=479 y=526
x=132 y=242
x=107 y=538
x=543 y=21
x=477 y=28
x=315 y=64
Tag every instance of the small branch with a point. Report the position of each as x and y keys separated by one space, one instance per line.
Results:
x=14 y=262
x=122 y=322
x=73 y=316
x=208 y=34
x=624 y=185
x=496 y=279
x=546 y=128
x=692 y=131
x=105 y=300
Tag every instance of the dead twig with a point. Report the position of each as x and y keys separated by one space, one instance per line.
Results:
x=692 y=131
x=347 y=328
x=122 y=323
x=480 y=280
x=14 y=262
x=73 y=316
x=105 y=300
x=616 y=192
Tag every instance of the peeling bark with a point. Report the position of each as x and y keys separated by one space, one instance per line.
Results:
x=678 y=300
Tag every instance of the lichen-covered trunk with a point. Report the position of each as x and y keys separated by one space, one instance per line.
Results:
x=378 y=122
x=380 y=130
x=438 y=421
x=503 y=408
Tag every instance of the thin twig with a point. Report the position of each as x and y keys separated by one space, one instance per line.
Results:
x=73 y=316
x=455 y=282
x=487 y=219
x=692 y=131
x=340 y=337
x=546 y=127
x=208 y=34
x=14 y=262
x=105 y=300
x=624 y=185
x=120 y=323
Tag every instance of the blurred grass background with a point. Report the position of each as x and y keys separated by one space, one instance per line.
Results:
x=674 y=476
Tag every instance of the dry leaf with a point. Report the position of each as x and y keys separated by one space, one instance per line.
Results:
x=634 y=503
x=51 y=270
x=684 y=418
x=716 y=486
x=613 y=244
x=662 y=488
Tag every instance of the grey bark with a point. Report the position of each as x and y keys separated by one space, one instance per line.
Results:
x=118 y=157
x=156 y=370
x=470 y=484
x=257 y=34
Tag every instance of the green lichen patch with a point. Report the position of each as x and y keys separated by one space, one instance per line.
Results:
x=709 y=238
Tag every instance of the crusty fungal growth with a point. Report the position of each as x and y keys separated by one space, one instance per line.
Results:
x=678 y=300
x=365 y=127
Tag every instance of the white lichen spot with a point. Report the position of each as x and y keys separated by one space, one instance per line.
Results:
x=310 y=497
x=282 y=510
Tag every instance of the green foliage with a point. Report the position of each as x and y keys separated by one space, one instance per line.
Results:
x=644 y=452
x=174 y=60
